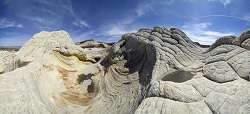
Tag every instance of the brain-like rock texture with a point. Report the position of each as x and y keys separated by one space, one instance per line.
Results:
x=152 y=71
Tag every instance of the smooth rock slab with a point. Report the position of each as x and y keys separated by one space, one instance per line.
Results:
x=157 y=105
x=219 y=72
x=241 y=64
x=175 y=91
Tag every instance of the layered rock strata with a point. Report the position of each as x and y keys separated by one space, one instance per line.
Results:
x=152 y=71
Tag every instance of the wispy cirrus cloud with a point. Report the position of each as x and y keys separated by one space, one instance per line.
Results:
x=111 y=34
x=242 y=18
x=201 y=33
x=84 y=35
x=150 y=5
x=13 y=39
x=46 y=14
x=114 y=31
x=6 y=23
x=117 y=31
x=246 y=17
x=81 y=23
x=224 y=2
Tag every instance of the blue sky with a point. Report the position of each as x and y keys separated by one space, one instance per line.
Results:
x=107 y=20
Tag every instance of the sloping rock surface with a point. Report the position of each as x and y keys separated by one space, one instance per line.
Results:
x=152 y=71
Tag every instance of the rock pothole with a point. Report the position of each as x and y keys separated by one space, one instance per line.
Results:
x=178 y=76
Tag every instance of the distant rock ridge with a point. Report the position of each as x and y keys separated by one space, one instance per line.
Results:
x=10 y=48
x=91 y=43
x=242 y=41
x=152 y=71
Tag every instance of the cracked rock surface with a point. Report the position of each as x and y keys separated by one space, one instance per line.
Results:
x=151 y=71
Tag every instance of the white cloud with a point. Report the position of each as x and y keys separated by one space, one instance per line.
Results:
x=81 y=23
x=19 y=25
x=246 y=17
x=121 y=27
x=5 y=23
x=117 y=31
x=200 y=32
x=149 y=5
x=13 y=39
x=84 y=36
x=45 y=14
x=143 y=8
x=224 y=2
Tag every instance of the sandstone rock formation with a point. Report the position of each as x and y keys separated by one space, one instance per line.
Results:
x=8 y=61
x=10 y=48
x=152 y=71
x=93 y=44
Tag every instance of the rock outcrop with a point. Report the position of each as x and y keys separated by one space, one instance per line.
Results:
x=93 y=44
x=8 y=61
x=152 y=71
x=10 y=48
x=242 y=41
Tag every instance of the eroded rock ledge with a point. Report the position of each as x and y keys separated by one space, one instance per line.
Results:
x=152 y=71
